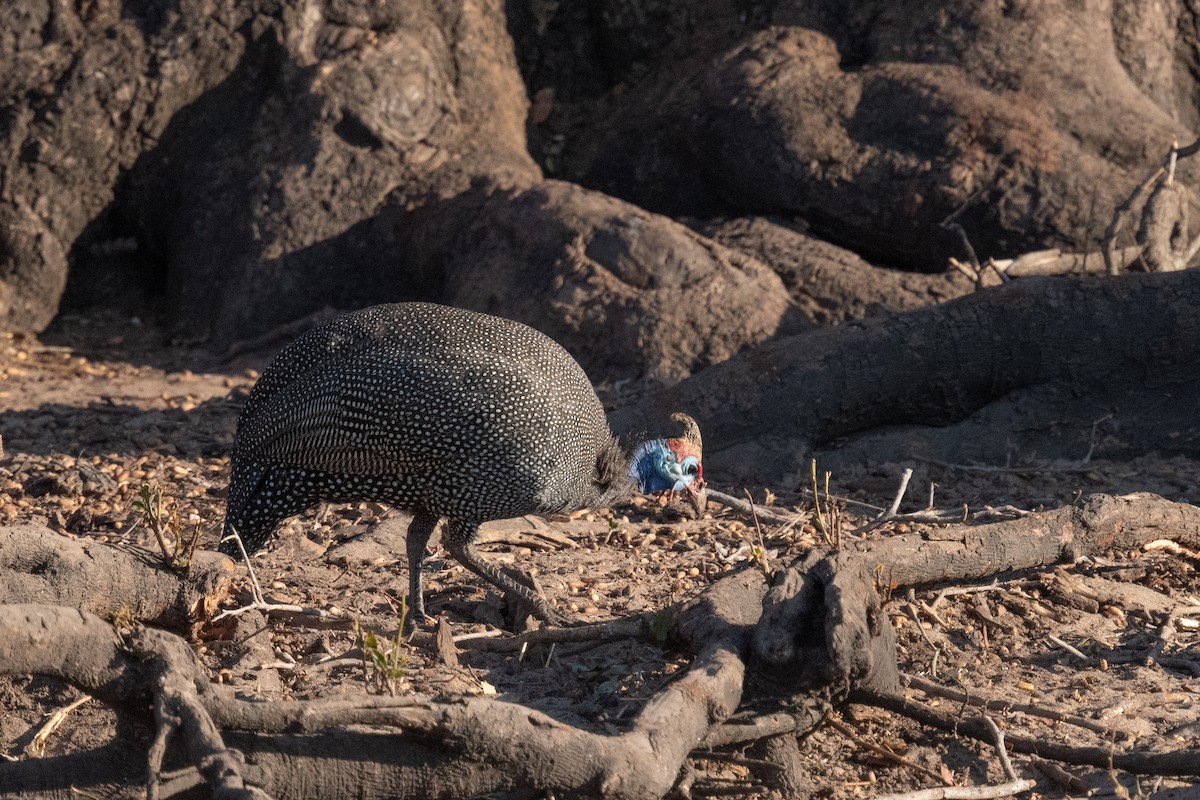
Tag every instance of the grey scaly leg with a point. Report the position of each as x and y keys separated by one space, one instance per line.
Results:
x=460 y=540
x=419 y=531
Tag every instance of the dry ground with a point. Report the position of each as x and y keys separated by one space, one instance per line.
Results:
x=98 y=407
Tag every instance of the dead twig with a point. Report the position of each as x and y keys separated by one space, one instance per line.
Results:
x=994 y=586
x=1167 y=631
x=950 y=223
x=937 y=690
x=53 y=722
x=764 y=512
x=1142 y=762
x=881 y=751
x=892 y=509
x=1059 y=775
x=635 y=626
x=760 y=551
x=1070 y=648
x=1014 y=785
x=259 y=603
x=964 y=792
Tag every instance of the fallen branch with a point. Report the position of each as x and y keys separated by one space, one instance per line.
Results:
x=936 y=690
x=1097 y=524
x=764 y=512
x=1151 y=762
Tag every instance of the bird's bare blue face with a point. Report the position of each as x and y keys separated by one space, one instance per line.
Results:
x=660 y=465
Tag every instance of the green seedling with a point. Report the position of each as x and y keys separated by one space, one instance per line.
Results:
x=161 y=515
x=385 y=662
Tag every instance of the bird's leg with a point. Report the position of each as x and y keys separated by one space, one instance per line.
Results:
x=460 y=540
x=419 y=531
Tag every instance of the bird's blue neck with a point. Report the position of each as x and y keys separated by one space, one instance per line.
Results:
x=649 y=466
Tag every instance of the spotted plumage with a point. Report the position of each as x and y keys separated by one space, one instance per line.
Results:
x=445 y=412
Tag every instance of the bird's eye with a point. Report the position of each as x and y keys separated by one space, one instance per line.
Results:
x=691 y=469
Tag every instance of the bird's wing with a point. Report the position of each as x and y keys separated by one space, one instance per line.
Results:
x=351 y=417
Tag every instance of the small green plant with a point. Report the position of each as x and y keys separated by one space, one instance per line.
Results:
x=613 y=528
x=660 y=626
x=161 y=515
x=384 y=662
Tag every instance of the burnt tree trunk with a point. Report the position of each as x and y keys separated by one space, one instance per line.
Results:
x=1129 y=343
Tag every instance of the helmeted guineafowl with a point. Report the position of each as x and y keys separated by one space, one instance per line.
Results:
x=444 y=412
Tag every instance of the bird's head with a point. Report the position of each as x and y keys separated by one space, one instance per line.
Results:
x=673 y=465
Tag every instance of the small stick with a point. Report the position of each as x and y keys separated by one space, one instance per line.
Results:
x=258 y=602
x=1005 y=764
x=912 y=611
x=1167 y=631
x=817 y=505
x=621 y=628
x=762 y=545
x=954 y=591
x=891 y=511
x=1014 y=786
x=848 y=501
x=881 y=751
x=933 y=615
x=1059 y=775
x=764 y=512
x=495 y=633
x=949 y=224
x=255 y=589
x=53 y=723
x=900 y=492
x=1073 y=651
x=937 y=690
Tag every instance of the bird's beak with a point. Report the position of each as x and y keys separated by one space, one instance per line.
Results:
x=697 y=496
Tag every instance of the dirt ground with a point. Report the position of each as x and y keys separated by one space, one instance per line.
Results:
x=97 y=407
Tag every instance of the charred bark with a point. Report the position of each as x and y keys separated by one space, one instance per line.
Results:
x=821 y=622
x=1063 y=347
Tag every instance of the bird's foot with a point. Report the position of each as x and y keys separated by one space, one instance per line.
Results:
x=553 y=617
x=521 y=608
x=417 y=619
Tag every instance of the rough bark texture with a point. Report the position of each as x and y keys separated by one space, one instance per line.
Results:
x=820 y=625
x=829 y=284
x=629 y=293
x=1048 y=344
x=38 y=564
x=872 y=121
x=225 y=142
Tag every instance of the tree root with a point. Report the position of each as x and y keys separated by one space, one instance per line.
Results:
x=814 y=639
x=111 y=582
